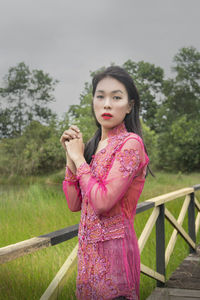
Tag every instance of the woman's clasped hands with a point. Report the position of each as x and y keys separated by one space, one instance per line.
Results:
x=72 y=142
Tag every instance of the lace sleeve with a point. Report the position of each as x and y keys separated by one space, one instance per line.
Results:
x=72 y=191
x=127 y=163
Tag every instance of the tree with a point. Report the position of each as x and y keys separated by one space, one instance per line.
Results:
x=179 y=146
x=149 y=80
x=178 y=116
x=81 y=114
x=187 y=68
x=36 y=151
x=182 y=93
x=24 y=98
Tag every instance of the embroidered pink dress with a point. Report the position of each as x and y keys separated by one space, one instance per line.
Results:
x=107 y=192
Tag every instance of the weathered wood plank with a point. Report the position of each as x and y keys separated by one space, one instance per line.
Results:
x=182 y=298
x=151 y=273
x=183 y=233
x=171 y=196
x=61 y=277
x=196 y=187
x=172 y=241
x=197 y=223
x=174 y=294
x=191 y=222
x=197 y=204
x=62 y=235
x=184 y=293
x=182 y=283
x=187 y=275
x=159 y=294
x=143 y=206
x=160 y=243
x=148 y=228
x=22 y=248
x=13 y=251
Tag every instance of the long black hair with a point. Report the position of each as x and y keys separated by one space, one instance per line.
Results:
x=131 y=121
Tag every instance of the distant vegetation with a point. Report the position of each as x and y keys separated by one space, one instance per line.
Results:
x=170 y=110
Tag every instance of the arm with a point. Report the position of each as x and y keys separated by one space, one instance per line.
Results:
x=127 y=163
x=72 y=191
x=70 y=184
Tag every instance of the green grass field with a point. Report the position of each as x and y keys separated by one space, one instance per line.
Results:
x=36 y=205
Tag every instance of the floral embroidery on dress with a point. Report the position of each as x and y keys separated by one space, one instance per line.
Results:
x=83 y=169
x=129 y=161
x=95 y=229
x=102 y=161
x=69 y=176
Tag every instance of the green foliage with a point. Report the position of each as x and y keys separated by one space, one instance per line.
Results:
x=37 y=151
x=150 y=140
x=24 y=97
x=182 y=94
x=149 y=80
x=81 y=115
x=170 y=110
x=179 y=147
x=187 y=67
x=178 y=117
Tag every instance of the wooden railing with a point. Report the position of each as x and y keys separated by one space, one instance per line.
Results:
x=157 y=218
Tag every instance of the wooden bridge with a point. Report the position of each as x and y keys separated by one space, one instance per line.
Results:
x=184 y=283
x=157 y=218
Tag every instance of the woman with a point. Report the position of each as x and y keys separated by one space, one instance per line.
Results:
x=105 y=181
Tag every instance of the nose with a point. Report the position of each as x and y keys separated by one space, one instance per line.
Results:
x=107 y=103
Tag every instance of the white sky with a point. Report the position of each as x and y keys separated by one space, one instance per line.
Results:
x=70 y=38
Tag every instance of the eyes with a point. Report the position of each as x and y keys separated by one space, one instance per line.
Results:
x=114 y=97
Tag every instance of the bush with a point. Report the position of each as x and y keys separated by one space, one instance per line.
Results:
x=37 y=151
x=179 y=146
x=150 y=140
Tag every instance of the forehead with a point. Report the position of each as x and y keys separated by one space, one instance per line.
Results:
x=109 y=84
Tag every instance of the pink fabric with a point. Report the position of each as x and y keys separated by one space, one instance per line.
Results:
x=72 y=191
x=108 y=255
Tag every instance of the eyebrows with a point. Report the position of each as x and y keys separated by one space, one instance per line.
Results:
x=113 y=92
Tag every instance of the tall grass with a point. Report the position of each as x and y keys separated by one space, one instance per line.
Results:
x=37 y=206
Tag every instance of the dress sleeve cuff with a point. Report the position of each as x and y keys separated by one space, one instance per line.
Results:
x=82 y=169
x=69 y=176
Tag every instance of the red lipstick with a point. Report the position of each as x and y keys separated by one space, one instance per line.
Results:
x=106 y=116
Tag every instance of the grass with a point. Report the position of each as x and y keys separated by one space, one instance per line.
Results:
x=37 y=206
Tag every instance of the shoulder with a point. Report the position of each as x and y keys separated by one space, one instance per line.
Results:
x=133 y=140
x=133 y=144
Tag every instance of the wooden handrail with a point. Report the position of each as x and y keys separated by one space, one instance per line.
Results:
x=157 y=216
x=14 y=251
x=22 y=248
x=171 y=196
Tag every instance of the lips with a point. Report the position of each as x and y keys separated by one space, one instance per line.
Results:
x=106 y=116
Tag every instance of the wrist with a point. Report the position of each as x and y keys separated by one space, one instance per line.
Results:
x=79 y=161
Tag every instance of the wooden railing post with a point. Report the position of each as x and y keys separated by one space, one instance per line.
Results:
x=160 y=243
x=191 y=221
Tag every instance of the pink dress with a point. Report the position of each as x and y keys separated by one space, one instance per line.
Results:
x=107 y=192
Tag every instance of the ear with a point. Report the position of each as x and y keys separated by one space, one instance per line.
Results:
x=130 y=106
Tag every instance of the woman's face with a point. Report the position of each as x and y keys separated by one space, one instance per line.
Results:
x=110 y=103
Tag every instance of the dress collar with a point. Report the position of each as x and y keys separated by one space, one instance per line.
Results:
x=118 y=130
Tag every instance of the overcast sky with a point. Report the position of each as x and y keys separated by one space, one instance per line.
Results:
x=70 y=38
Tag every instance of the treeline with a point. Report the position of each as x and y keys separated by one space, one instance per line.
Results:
x=170 y=113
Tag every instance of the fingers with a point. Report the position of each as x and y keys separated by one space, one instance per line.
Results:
x=72 y=133
x=75 y=128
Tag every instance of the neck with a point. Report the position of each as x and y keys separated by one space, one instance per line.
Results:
x=104 y=133
x=107 y=132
